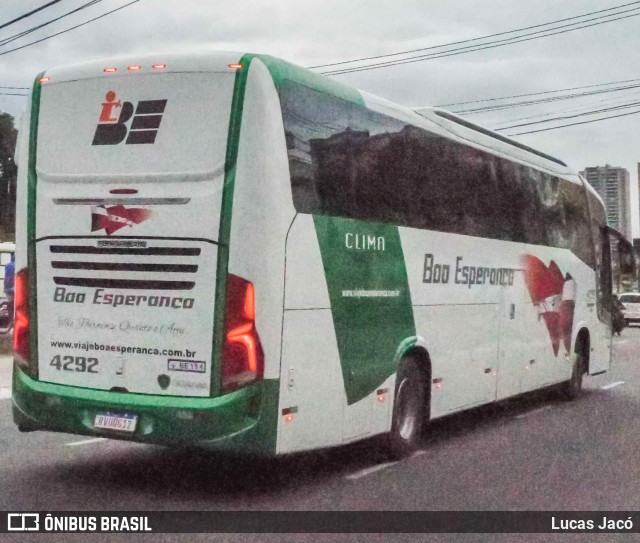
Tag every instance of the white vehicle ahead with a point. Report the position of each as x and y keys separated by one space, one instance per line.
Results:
x=631 y=307
x=231 y=251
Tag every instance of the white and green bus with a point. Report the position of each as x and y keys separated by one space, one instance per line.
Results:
x=230 y=251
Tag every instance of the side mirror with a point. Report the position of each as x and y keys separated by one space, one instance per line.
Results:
x=624 y=267
x=627 y=258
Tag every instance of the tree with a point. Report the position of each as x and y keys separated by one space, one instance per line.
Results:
x=8 y=171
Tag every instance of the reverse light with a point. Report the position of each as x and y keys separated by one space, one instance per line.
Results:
x=244 y=334
x=21 y=322
x=110 y=70
x=243 y=357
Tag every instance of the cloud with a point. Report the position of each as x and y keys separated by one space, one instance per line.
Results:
x=318 y=31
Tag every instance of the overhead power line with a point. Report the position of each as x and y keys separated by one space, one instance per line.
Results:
x=68 y=29
x=636 y=103
x=12 y=94
x=15 y=88
x=546 y=100
x=530 y=94
x=490 y=45
x=470 y=49
x=621 y=100
x=15 y=37
x=29 y=14
x=472 y=39
x=575 y=124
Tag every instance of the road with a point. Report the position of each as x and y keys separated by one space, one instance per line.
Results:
x=533 y=453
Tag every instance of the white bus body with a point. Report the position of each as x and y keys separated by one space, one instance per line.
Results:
x=212 y=249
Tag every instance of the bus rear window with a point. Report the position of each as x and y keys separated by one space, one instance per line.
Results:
x=152 y=126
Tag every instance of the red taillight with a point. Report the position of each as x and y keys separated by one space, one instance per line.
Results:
x=21 y=324
x=159 y=66
x=110 y=70
x=243 y=358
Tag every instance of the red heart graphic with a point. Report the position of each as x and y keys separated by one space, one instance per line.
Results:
x=543 y=282
x=554 y=295
x=113 y=218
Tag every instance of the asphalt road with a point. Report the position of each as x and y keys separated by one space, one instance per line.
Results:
x=532 y=453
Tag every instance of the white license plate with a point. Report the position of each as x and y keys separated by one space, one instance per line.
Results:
x=118 y=422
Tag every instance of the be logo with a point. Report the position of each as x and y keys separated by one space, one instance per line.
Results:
x=112 y=128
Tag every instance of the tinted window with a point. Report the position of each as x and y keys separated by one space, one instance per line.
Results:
x=348 y=161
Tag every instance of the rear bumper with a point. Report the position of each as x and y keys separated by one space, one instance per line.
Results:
x=244 y=420
x=633 y=316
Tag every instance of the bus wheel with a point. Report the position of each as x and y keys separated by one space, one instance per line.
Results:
x=572 y=388
x=408 y=410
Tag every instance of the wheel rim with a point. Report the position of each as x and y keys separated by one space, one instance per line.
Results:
x=408 y=408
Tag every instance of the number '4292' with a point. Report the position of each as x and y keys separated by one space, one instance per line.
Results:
x=75 y=363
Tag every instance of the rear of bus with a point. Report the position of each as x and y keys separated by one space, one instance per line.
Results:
x=128 y=322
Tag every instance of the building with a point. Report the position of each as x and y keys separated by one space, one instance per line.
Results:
x=614 y=187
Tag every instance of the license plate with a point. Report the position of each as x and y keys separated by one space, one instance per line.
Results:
x=118 y=422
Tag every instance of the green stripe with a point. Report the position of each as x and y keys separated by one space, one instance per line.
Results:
x=282 y=71
x=370 y=300
x=264 y=437
x=242 y=421
x=32 y=180
x=371 y=332
x=231 y=160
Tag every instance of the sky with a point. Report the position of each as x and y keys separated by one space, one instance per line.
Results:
x=313 y=32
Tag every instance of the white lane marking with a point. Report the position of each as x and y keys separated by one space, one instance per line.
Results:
x=5 y=393
x=611 y=385
x=533 y=411
x=620 y=342
x=418 y=453
x=368 y=471
x=85 y=441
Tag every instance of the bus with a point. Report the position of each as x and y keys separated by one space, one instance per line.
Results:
x=229 y=251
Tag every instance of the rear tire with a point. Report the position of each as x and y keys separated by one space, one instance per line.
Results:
x=572 y=388
x=408 y=409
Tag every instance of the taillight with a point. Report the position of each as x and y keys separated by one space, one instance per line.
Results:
x=243 y=358
x=21 y=323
